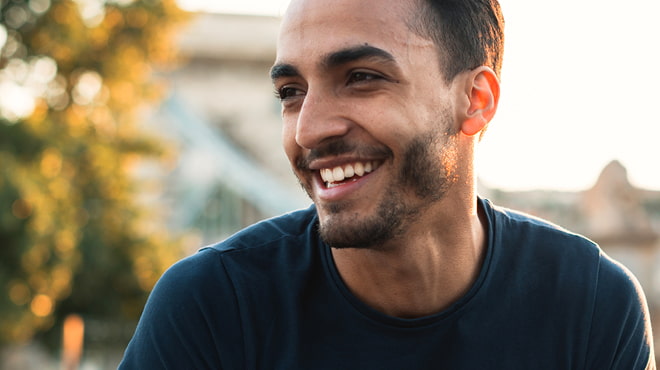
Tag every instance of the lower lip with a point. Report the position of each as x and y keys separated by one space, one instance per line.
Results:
x=341 y=191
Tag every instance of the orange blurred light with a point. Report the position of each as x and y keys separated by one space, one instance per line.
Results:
x=41 y=305
x=73 y=334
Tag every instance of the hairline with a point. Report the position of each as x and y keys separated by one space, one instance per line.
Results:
x=419 y=21
x=417 y=24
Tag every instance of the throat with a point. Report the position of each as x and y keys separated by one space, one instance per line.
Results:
x=392 y=286
x=412 y=282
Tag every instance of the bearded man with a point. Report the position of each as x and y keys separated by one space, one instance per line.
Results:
x=399 y=264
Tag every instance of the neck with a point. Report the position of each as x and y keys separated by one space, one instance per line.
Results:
x=424 y=271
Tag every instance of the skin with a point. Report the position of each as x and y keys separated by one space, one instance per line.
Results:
x=352 y=74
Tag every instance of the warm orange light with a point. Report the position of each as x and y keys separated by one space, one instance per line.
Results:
x=41 y=305
x=73 y=334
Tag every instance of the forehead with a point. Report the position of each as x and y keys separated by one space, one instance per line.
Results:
x=313 y=28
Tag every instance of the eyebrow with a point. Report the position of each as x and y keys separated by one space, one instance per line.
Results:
x=356 y=53
x=283 y=70
x=336 y=59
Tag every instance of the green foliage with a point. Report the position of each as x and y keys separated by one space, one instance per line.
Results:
x=74 y=79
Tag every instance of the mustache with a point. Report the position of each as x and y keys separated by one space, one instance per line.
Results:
x=340 y=147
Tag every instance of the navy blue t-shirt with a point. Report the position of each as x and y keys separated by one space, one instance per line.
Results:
x=270 y=297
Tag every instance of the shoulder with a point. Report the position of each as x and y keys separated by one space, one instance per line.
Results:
x=539 y=237
x=580 y=281
x=542 y=259
x=174 y=331
x=193 y=315
x=269 y=247
x=209 y=264
x=619 y=294
x=291 y=225
x=509 y=218
x=620 y=335
x=526 y=236
x=187 y=275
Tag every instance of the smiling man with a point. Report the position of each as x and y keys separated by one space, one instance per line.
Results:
x=398 y=264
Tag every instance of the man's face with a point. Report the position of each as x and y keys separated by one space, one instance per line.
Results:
x=369 y=124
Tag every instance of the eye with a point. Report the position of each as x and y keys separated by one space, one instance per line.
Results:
x=286 y=92
x=362 y=76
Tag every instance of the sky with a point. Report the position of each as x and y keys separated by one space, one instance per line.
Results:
x=580 y=88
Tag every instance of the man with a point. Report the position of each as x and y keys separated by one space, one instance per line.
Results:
x=399 y=264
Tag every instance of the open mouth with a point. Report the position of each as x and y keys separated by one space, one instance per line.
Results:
x=343 y=174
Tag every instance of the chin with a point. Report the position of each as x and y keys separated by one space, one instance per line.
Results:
x=340 y=228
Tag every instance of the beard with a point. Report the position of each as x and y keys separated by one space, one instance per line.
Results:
x=427 y=172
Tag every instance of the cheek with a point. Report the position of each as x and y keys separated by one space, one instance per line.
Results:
x=289 y=144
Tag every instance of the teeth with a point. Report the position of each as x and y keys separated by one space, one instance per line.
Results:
x=349 y=171
x=359 y=169
x=340 y=173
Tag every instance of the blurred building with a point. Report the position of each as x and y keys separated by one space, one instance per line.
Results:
x=225 y=121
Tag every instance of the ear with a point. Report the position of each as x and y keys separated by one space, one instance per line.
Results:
x=483 y=92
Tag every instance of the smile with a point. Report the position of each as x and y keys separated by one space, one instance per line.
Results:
x=339 y=175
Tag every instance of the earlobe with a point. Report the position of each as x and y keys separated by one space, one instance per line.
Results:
x=483 y=91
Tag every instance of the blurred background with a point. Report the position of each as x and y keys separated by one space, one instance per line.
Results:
x=133 y=132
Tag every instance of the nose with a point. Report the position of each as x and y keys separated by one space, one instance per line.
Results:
x=322 y=117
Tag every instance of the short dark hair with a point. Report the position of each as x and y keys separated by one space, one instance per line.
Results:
x=468 y=33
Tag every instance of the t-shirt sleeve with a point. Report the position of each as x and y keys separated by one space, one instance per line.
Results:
x=190 y=320
x=620 y=337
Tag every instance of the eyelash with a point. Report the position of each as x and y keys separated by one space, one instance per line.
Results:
x=281 y=93
x=365 y=76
